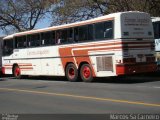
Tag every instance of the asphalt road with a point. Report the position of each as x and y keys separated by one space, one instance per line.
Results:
x=136 y=94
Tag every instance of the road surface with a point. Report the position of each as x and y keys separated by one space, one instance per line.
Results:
x=136 y=94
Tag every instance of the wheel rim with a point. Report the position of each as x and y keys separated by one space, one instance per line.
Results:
x=17 y=72
x=71 y=73
x=86 y=72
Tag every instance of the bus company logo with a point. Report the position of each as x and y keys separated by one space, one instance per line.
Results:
x=44 y=52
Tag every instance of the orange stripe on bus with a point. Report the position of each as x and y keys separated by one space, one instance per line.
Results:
x=71 y=51
x=24 y=65
x=27 y=68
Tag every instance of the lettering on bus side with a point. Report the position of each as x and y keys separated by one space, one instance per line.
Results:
x=43 y=52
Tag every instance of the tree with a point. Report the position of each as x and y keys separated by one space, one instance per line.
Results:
x=68 y=11
x=150 y=6
x=21 y=15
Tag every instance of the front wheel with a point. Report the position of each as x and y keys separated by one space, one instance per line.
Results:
x=86 y=73
x=71 y=72
x=17 y=72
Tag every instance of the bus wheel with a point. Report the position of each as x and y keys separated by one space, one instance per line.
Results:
x=17 y=72
x=86 y=73
x=71 y=72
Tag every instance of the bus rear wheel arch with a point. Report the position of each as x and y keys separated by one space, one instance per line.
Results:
x=86 y=73
x=71 y=72
x=16 y=71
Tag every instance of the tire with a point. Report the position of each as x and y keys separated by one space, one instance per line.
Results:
x=71 y=73
x=17 y=72
x=86 y=73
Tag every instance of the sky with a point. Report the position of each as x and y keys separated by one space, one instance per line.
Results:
x=1 y=33
x=41 y=24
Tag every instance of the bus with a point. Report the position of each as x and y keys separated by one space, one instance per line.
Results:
x=156 y=27
x=112 y=45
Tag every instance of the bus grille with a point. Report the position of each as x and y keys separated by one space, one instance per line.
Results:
x=104 y=63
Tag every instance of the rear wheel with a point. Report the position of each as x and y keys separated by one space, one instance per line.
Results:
x=86 y=73
x=16 y=71
x=71 y=72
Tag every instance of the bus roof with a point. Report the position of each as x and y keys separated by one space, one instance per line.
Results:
x=8 y=37
x=102 y=18
x=94 y=20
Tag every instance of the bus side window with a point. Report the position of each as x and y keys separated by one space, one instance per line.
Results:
x=83 y=33
x=104 y=30
x=64 y=36
x=76 y=34
x=29 y=41
x=99 y=31
x=20 y=42
x=108 y=30
x=61 y=36
x=8 y=47
x=52 y=38
x=33 y=40
x=58 y=37
x=156 y=27
x=70 y=35
x=47 y=38
x=37 y=39
x=90 y=32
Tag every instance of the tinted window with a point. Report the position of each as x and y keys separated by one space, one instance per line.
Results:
x=156 y=27
x=90 y=32
x=76 y=34
x=108 y=30
x=33 y=40
x=61 y=36
x=99 y=30
x=104 y=30
x=70 y=35
x=83 y=33
x=8 y=47
x=48 y=38
x=20 y=42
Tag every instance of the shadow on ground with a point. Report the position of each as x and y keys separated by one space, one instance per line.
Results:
x=130 y=79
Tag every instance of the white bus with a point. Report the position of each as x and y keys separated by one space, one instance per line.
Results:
x=112 y=45
x=156 y=26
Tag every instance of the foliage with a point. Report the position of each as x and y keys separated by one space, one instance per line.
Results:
x=21 y=15
x=78 y=10
x=69 y=11
x=150 y=6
